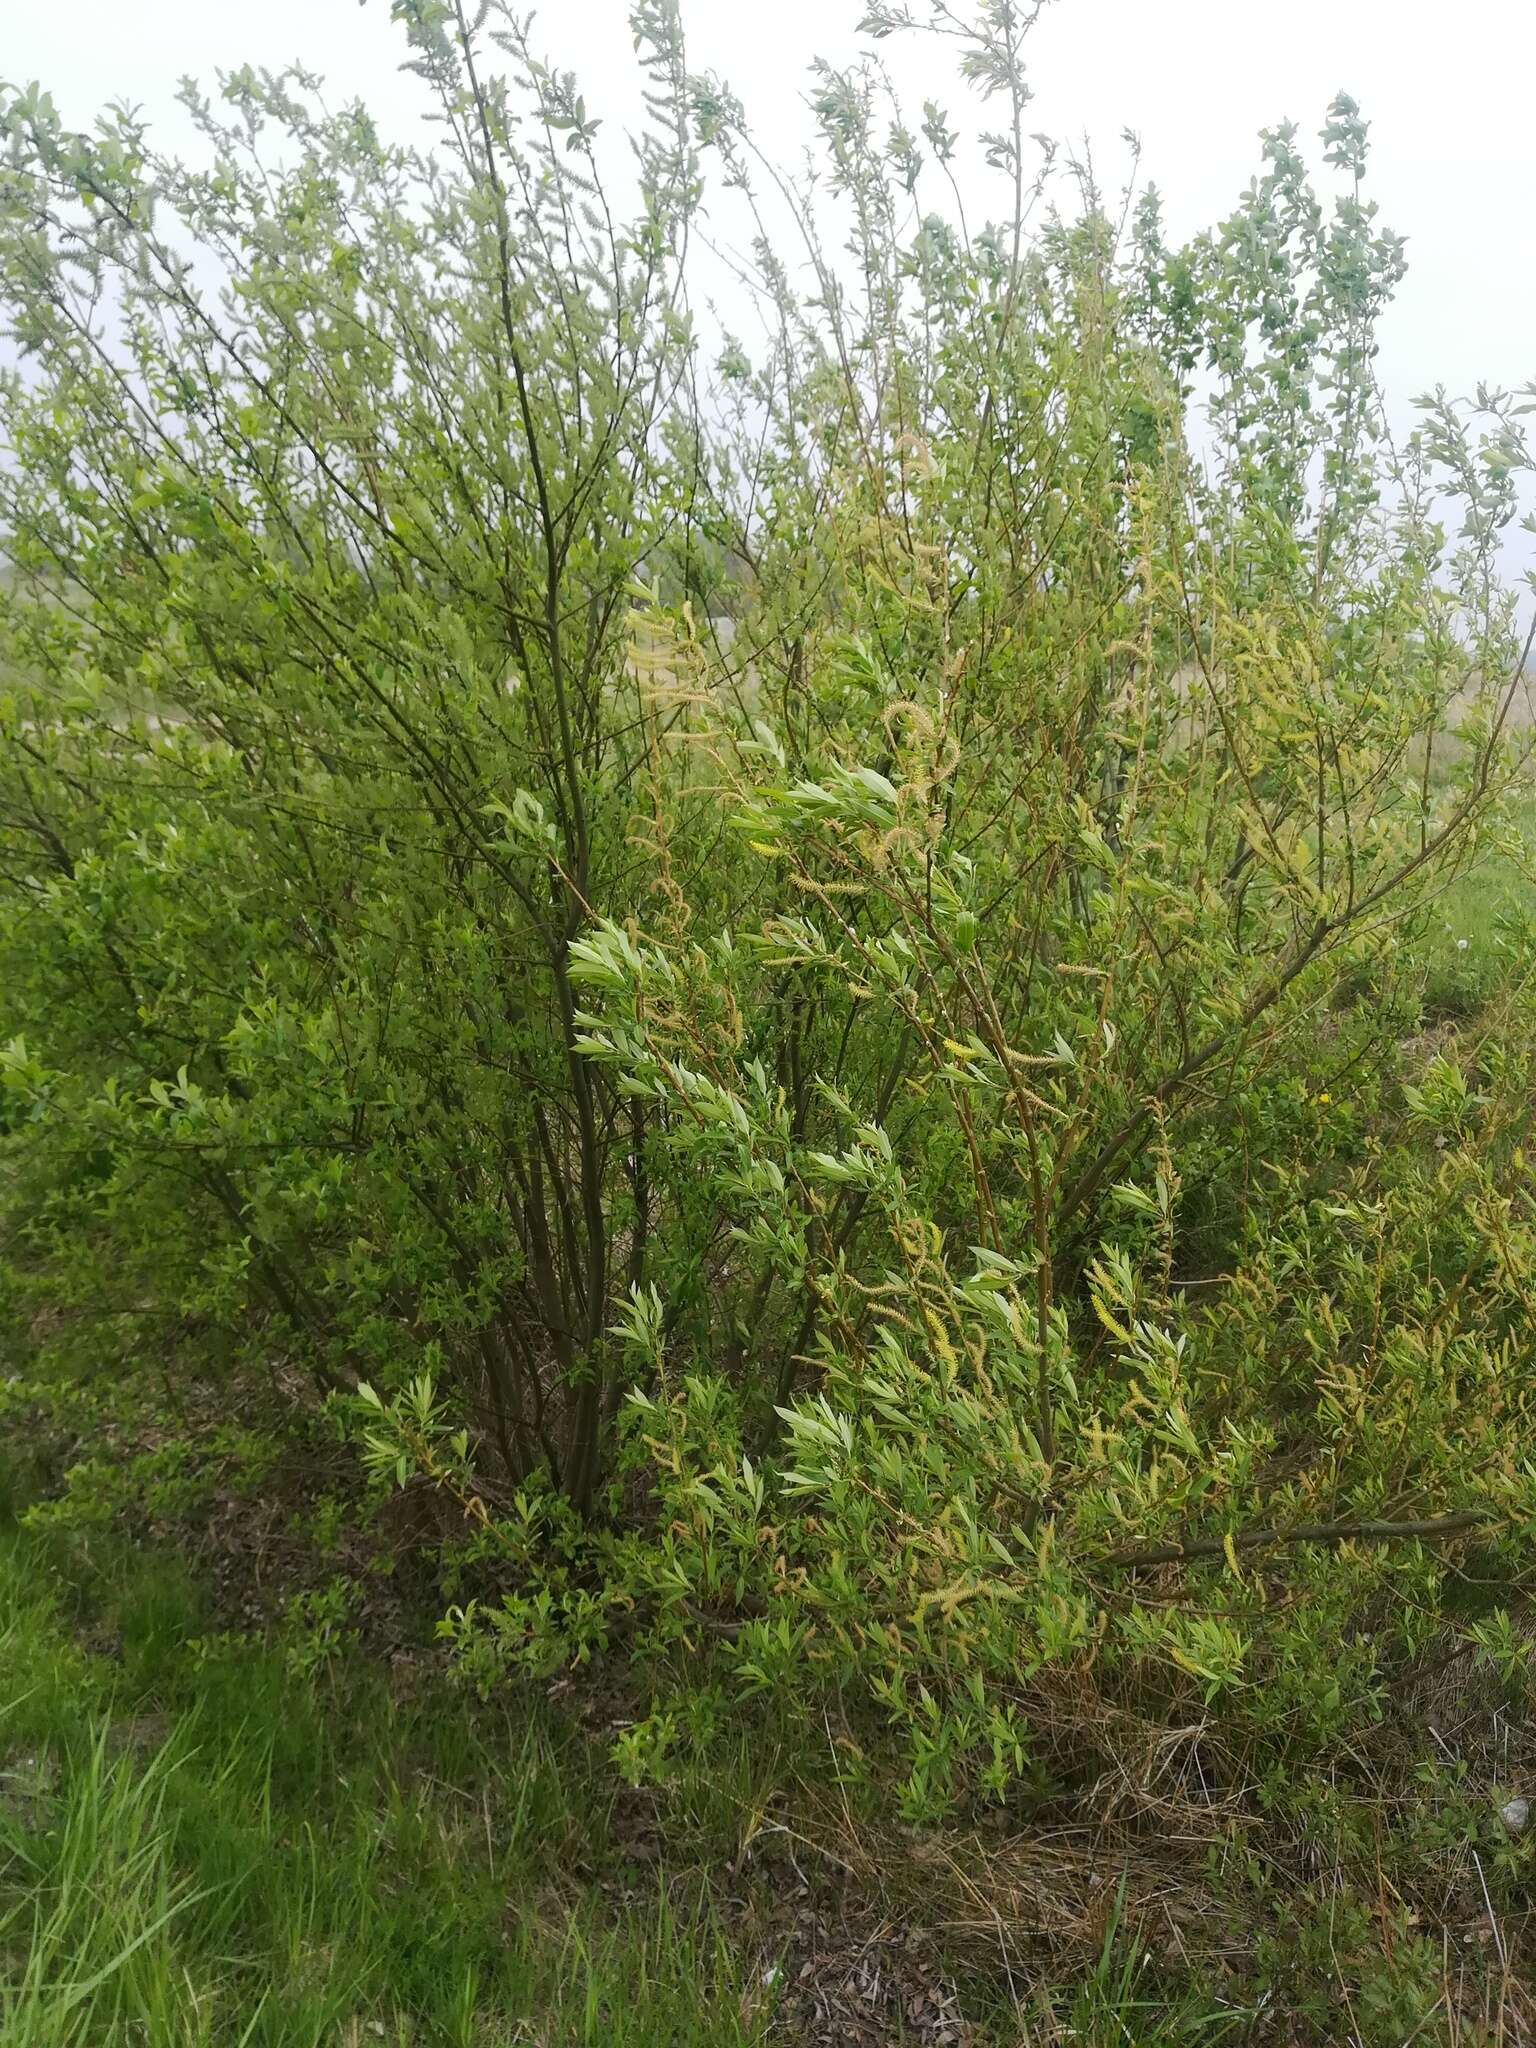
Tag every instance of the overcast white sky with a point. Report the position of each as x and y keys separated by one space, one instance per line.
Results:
x=1450 y=91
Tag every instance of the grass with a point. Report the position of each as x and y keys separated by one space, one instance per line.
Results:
x=203 y=1847
x=206 y=1842
x=1479 y=930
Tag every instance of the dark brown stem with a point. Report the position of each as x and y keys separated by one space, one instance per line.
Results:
x=1363 y=1529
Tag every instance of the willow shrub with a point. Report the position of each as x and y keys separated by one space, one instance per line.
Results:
x=747 y=959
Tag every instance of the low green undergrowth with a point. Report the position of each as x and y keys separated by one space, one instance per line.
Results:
x=214 y=1838
x=199 y=1846
x=211 y=1835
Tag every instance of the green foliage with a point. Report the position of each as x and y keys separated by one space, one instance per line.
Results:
x=784 y=983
